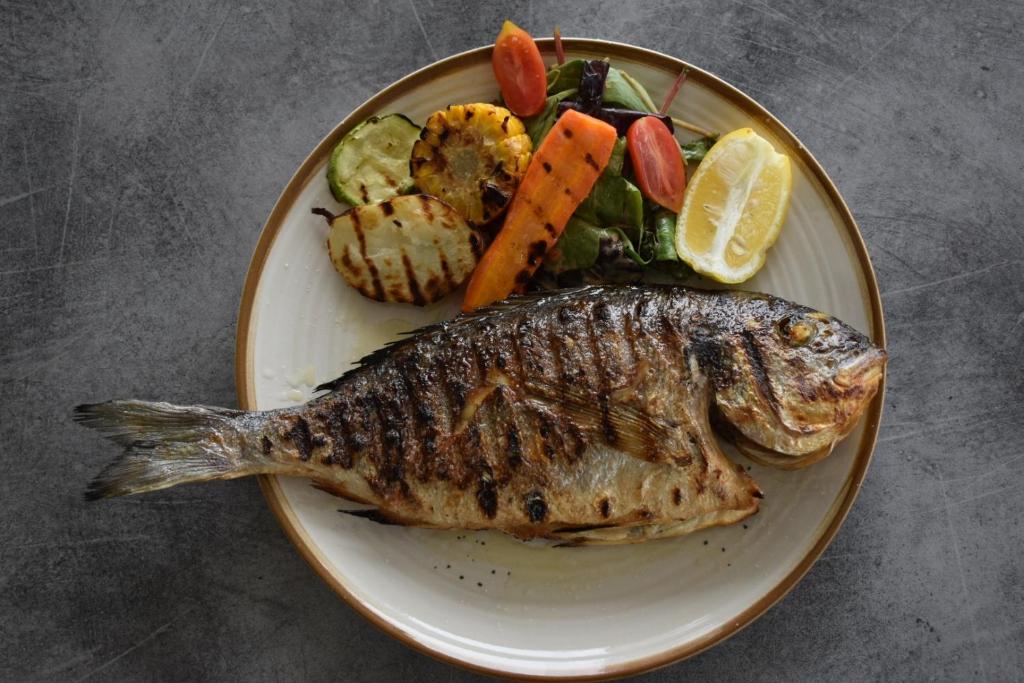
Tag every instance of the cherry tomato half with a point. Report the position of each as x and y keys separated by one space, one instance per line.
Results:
x=657 y=162
x=519 y=70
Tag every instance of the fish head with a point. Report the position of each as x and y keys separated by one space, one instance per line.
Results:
x=794 y=380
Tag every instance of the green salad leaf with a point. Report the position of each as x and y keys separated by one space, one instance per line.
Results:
x=577 y=248
x=694 y=151
x=566 y=76
x=614 y=202
x=620 y=89
x=538 y=126
x=664 y=243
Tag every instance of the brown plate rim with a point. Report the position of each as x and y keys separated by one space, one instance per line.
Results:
x=244 y=377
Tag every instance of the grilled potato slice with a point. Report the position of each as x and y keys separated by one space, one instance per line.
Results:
x=473 y=157
x=410 y=249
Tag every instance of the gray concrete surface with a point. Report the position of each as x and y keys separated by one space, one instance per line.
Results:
x=142 y=145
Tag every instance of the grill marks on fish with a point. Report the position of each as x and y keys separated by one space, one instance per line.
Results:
x=505 y=416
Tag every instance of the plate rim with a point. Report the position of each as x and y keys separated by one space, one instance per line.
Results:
x=245 y=372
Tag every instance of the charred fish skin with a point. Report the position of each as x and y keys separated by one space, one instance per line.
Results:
x=571 y=415
x=789 y=379
x=585 y=410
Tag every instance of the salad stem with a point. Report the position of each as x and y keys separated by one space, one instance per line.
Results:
x=640 y=91
x=674 y=90
x=559 y=50
x=694 y=128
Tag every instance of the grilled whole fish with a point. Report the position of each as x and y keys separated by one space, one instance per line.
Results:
x=581 y=415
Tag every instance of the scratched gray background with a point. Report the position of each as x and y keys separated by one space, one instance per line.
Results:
x=142 y=146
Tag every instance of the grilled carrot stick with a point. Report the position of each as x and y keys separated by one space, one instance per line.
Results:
x=563 y=170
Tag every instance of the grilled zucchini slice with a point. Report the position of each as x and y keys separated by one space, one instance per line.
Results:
x=473 y=157
x=410 y=249
x=371 y=163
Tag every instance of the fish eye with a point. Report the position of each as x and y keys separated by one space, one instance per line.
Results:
x=797 y=330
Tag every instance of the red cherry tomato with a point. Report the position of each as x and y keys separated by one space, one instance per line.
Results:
x=520 y=71
x=657 y=162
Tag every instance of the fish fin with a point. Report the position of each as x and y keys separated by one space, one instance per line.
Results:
x=373 y=514
x=762 y=455
x=617 y=424
x=459 y=323
x=167 y=445
x=637 y=533
x=338 y=490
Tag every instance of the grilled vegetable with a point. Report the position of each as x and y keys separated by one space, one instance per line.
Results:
x=622 y=119
x=371 y=163
x=410 y=249
x=520 y=70
x=657 y=163
x=581 y=416
x=561 y=175
x=473 y=157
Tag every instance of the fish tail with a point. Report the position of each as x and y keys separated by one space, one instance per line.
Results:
x=166 y=445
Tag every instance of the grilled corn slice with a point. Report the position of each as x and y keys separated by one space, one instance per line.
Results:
x=473 y=157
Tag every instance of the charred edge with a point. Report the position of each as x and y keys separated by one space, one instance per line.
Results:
x=494 y=195
x=372 y=515
x=446 y=270
x=536 y=507
x=387 y=208
x=580 y=528
x=610 y=435
x=378 y=287
x=515 y=447
x=602 y=368
x=346 y=261
x=487 y=498
x=468 y=113
x=536 y=252
x=523 y=277
x=476 y=244
x=300 y=435
x=410 y=277
x=320 y=211
x=544 y=430
x=591 y=162
x=550 y=229
x=504 y=125
x=757 y=367
x=425 y=204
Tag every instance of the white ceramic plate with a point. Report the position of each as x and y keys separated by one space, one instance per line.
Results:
x=484 y=600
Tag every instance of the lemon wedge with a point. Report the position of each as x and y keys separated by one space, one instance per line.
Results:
x=734 y=207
